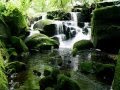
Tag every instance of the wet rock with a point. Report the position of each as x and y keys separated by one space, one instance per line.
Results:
x=46 y=82
x=85 y=31
x=81 y=24
x=50 y=80
x=50 y=30
x=82 y=45
x=105 y=73
x=42 y=42
x=41 y=24
x=65 y=83
x=73 y=33
x=37 y=73
x=47 y=72
x=86 y=67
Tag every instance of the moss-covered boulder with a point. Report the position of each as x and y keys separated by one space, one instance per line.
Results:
x=82 y=45
x=65 y=83
x=41 y=23
x=86 y=67
x=116 y=81
x=106 y=29
x=41 y=41
x=102 y=72
x=46 y=27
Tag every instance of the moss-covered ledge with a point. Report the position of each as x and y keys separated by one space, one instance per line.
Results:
x=106 y=28
x=116 y=81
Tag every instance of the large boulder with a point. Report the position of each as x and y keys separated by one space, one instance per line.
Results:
x=49 y=30
x=65 y=83
x=82 y=45
x=41 y=23
x=41 y=41
x=106 y=29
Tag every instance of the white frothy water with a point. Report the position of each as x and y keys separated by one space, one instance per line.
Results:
x=72 y=25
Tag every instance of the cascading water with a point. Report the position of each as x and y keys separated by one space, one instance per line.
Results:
x=69 y=32
x=32 y=31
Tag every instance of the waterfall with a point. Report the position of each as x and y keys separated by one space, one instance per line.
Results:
x=59 y=27
x=44 y=15
x=69 y=32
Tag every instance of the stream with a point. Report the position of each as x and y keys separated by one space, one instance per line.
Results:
x=61 y=59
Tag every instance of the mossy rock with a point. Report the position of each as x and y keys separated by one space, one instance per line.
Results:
x=102 y=57
x=49 y=80
x=106 y=29
x=65 y=83
x=116 y=81
x=82 y=45
x=41 y=41
x=3 y=77
x=42 y=23
x=86 y=67
x=46 y=82
x=47 y=72
x=18 y=44
x=104 y=72
x=49 y=30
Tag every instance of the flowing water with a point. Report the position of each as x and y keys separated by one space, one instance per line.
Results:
x=62 y=58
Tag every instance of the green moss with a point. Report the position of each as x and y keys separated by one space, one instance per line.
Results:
x=86 y=67
x=40 y=41
x=42 y=23
x=65 y=83
x=82 y=45
x=116 y=81
x=15 y=19
x=106 y=28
